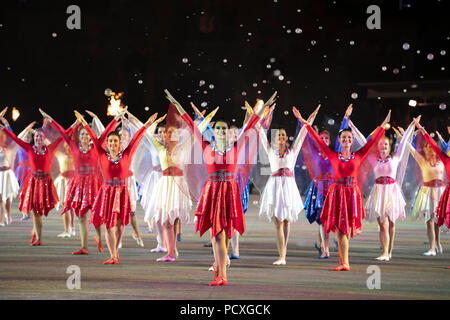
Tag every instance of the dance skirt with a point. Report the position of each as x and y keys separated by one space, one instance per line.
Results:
x=9 y=188
x=61 y=183
x=111 y=204
x=343 y=209
x=132 y=187
x=443 y=208
x=148 y=186
x=38 y=193
x=385 y=200
x=169 y=201
x=314 y=202
x=81 y=193
x=244 y=197
x=220 y=208
x=427 y=201
x=281 y=199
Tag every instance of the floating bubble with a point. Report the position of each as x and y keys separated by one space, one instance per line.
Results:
x=327 y=69
x=443 y=52
x=185 y=60
x=54 y=35
x=352 y=42
x=442 y=68
x=298 y=30
x=286 y=112
x=288 y=82
x=272 y=60
x=405 y=46
x=225 y=60
x=395 y=71
x=303 y=167
x=204 y=104
x=211 y=86
x=146 y=108
x=108 y=92
x=244 y=93
x=384 y=68
x=331 y=122
x=254 y=84
x=442 y=106
x=288 y=31
x=354 y=95
x=281 y=77
x=432 y=134
x=268 y=66
x=201 y=83
x=140 y=81
x=430 y=56
x=291 y=138
x=313 y=42
x=276 y=72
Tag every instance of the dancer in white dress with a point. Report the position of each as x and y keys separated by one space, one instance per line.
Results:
x=386 y=202
x=9 y=187
x=280 y=199
x=148 y=174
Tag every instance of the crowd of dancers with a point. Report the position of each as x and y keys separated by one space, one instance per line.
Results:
x=185 y=164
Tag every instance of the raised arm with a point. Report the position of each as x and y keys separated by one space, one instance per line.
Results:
x=431 y=142
x=109 y=128
x=364 y=151
x=403 y=145
x=134 y=143
x=20 y=142
x=344 y=125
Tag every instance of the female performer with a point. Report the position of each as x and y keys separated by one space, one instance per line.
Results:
x=38 y=193
x=280 y=199
x=220 y=206
x=343 y=209
x=112 y=204
x=386 y=202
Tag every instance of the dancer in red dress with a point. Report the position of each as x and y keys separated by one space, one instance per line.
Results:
x=38 y=194
x=220 y=205
x=112 y=204
x=343 y=208
x=83 y=186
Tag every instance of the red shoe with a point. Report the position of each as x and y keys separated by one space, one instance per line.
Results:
x=33 y=237
x=219 y=282
x=111 y=261
x=342 y=267
x=81 y=251
x=99 y=245
x=37 y=243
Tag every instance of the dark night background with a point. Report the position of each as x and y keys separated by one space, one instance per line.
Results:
x=122 y=43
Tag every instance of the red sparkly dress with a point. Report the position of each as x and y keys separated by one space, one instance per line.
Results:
x=112 y=202
x=343 y=207
x=443 y=208
x=83 y=186
x=38 y=193
x=220 y=204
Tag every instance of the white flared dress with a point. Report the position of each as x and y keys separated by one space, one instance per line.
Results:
x=9 y=187
x=280 y=197
x=386 y=199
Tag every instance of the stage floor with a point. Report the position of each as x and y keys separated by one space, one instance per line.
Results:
x=41 y=272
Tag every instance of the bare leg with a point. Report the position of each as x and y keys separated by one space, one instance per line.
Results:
x=327 y=240
x=169 y=235
x=431 y=235
x=437 y=236
x=111 y=241
x=384 y=237
x=66 y=219
x=37 y=226
x=343 y=248
x=286 y=231
x=391 y=237
x=119 y=235
x=8 y=210
x=220 y=249
x=84 y=231
x=280 y=238
x=2 y=211
x=176 y=231
x=235 y=244
x=160 y=232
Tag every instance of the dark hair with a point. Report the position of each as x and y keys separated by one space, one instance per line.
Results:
x=343 y=130
x=222 y=120
x=113 y=133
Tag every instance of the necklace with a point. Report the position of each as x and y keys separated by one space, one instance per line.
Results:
x=282 y=155
x=41 y=153
x=87 y=149
x=388 y=158
x=348 y=159
x=119 y=156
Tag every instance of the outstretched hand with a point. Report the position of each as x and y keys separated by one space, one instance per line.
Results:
x=80 y=117
x=93 y=115
x=388 y=118
x=2 y=114
x=349 y=111
x=45 y=115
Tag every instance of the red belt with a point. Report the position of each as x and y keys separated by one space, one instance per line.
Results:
x=4 y=168
x=385 y=180
x=324 y=177
x=172 y=171
x=347 y=181
x=283 y=172
x=434 y=183
x=221 y=176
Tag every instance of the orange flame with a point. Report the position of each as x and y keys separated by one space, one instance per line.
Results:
x=15 y=114
x=115 y=105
